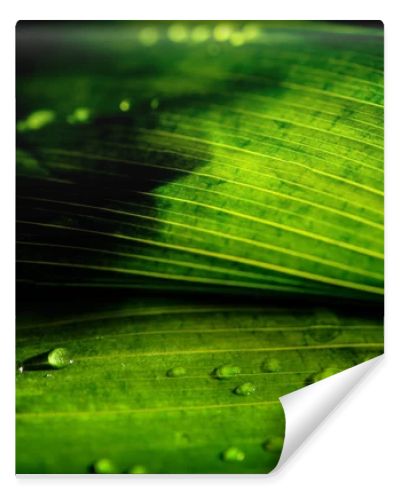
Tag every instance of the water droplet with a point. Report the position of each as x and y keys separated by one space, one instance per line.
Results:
x=270 y=365
x=59 y=357
x=54 y=359
x=138 y=469
x=79 y=115
x=177 y=371
x=104 y=466
x=233 y=454
x=148 y=36
x=125 y=105
x=200 y=34
x=245 y=389
x=177 y=33
x=36 y=120
x=222 y=32
x=226 y=371
x=154 y=103
x=274 y=444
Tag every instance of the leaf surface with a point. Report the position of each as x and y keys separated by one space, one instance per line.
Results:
x=229 y=178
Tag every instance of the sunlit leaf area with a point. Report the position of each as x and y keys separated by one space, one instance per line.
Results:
x=199 y=232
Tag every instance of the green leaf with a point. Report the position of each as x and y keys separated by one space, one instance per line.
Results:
x=257 y=166
x=119 y=402
x=236 y=164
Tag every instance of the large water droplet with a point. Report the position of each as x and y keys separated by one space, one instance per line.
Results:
x=138 y=469
x=59 y=358
x=104 y=466
x=177 y=371
x=274 y=444
x=226 y=371
x=233 y=454
x=245 y=389
x=55 y=358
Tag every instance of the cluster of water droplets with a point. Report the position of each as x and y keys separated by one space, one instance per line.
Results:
x=200 y=33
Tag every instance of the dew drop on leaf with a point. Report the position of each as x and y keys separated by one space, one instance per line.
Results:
x=233 y=454
x=177 y=371
x=270 y=365
x=59 y=358
x=104 y=466
x=79 y=115
x=125 y=105
x=55 y=359
x=226 y=371
x=245 y=389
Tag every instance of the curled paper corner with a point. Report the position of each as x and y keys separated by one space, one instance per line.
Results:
x=306 y=408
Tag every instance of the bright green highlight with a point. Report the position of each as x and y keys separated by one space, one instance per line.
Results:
x=178 y=33
x=259 y=177
x=125 y=105
x=245 y=389
x=148 y=36
x=59 y=358
x=233 y=454
x=36 y=120
x=200 y=33
x=177 y=371
x=105 y=466
x=222 y=32
x=79 y=115
x=138 y=469
x=226 y=371
x=271 y=365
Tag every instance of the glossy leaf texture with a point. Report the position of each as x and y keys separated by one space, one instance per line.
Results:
x=258 y=166
x=170 y=385
x=193 y=199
